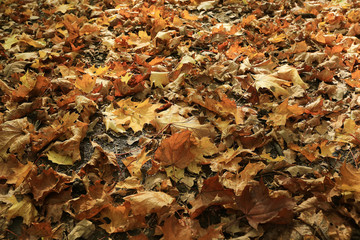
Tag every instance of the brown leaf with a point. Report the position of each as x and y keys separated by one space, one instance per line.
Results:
x=175 y=150
x=120 y=219
x=212 y=193
x=13 y=171
x=258 y=207
x=174 y=229
x=46 y=182
x=350 y=178
x=102 y=164
x=87 y=206
x=14 y=136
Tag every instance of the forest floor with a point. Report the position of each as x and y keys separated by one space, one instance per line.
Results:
x=179 y=119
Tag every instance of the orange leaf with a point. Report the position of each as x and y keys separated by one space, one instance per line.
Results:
x=86 y=83
x=187 y=16
x=175 y=229
x=356 y=75
x=175 y=150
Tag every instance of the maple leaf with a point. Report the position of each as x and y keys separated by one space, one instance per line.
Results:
x=349 y=180
x=279 y=81
x=19 y=208
x=86 y=83
x=259 y=207
x=130 y=114
x=174 y=229
x=71 y=146
x=40 y=229
x=176 y=118
x=13 y=171
x=87 y=206
x=283 y=112
x=120 y=219
x=175 y=150
x=212 y=193
x=238 y=182
x=14 y=136
x=46 y=182
x=147 y=202
x=134 y=163
x=102 y=164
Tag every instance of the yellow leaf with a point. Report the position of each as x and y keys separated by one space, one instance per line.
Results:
x=277 y=38
x=10 y=41
x=59 y=159
x=270 y=159
x=144 y=37
x=40 y=43
x=175 y=173
x=126 y=78
x=271 y=83
x=28 y=80
x=21 y=208
x=159 y=79
x=134 y=163
x=131 y=114
x=86 y=83
x=63 y=8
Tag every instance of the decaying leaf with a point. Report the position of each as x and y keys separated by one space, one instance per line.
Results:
x=259 y=207
x=175 y=150
x=14 y=136
x=147 y=202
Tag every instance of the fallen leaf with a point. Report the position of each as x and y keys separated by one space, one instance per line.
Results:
x=19 y=208
x=147 y=202
x=120 y=219
x=174 y=229
x=130 y=114
x=83 y=229
x=14 y=136
x=212 y=193
x=86 y=83
x=175 y=150
x=259 y=207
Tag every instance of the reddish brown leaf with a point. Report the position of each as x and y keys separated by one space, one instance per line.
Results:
x=175 y=150
x=175 y=229
x=46 y=182
x=212 y=193
x=258 y=207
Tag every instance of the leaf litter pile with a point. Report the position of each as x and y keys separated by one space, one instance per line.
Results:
x=189 y=119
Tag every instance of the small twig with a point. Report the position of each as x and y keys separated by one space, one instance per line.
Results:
x=355 y=160
x=8 y=230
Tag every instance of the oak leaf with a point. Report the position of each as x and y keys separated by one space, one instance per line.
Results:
x=176 y=150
